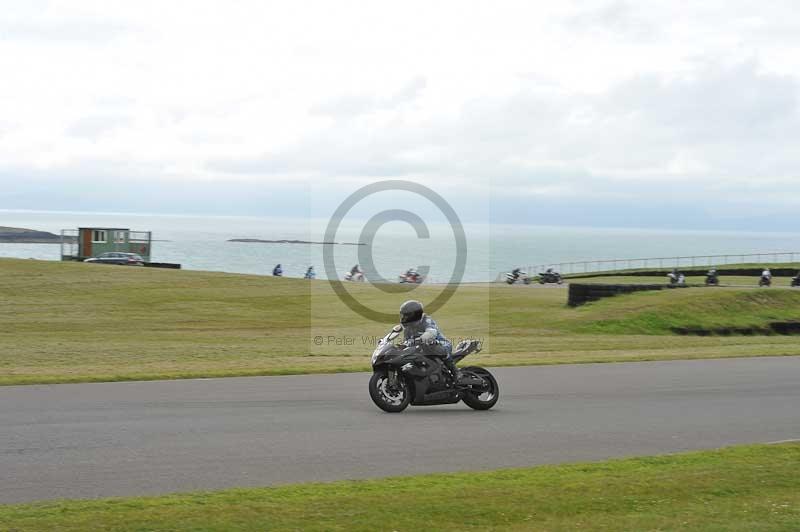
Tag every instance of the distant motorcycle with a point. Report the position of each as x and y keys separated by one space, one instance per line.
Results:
x=550 y=278
x=712 y=279
x=412 y=277
x=358 y=277
x=796 y=280
x=765 y=281
x=513 y=277
x=409 y=373
x=676 y=279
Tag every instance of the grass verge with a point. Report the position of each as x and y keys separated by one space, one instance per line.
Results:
x=739 y=488
x=72 y=322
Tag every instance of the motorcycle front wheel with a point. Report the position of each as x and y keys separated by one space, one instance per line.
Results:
x=389 y=398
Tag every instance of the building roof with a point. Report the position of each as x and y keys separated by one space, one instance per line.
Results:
x=104 y=228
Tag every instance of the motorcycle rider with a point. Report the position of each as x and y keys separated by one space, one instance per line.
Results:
x=766 y=275
x=673 y=276
x=355 y=270
x=515 y=272
x=551 y=276
x=277 y=271
x=310 y=273
x=418 y=324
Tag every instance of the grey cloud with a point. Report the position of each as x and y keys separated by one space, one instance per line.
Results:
x=618 y=17
x=739 y=121
x=409 y=92
x=715 y=129
x=767 y=23
x=354 y=104
x=94 y=126
x=78 y=31
x=38 y=21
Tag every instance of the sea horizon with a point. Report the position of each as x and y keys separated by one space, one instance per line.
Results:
x=201 y=242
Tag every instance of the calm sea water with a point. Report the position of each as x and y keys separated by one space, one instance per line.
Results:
x=200 y=243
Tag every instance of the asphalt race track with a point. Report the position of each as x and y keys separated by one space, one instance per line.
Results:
x=136 y=438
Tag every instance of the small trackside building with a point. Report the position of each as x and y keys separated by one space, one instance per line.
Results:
x=86 y=242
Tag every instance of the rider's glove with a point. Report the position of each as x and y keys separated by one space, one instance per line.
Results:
x=428 y=337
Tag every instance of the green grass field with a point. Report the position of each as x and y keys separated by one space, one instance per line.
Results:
x=734 y=489
x=73 y=322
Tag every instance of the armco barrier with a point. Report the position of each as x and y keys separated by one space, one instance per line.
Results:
x=738 y=272
x=583 y=293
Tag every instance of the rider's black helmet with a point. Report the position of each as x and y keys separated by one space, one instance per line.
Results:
x=411 y=312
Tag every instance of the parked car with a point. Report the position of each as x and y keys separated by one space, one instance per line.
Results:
x=114 y=257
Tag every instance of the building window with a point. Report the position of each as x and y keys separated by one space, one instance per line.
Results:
x=99 y=237
x=119 y=237
x=139 y=237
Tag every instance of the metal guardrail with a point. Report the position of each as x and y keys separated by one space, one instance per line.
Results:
x=612 y=265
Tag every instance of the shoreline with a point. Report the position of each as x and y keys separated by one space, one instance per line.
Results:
x=20 y=235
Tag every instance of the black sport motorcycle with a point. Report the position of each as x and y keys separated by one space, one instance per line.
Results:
x=712 y=279
x=409 y=373
x=550 y=277
x=765 y=281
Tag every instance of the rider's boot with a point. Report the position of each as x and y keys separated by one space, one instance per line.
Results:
x=451 y=367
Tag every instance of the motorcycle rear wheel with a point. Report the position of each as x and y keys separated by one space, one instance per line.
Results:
x=387 y=399
x=483 y=400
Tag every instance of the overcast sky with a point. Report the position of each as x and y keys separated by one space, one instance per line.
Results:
x=597 y=113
